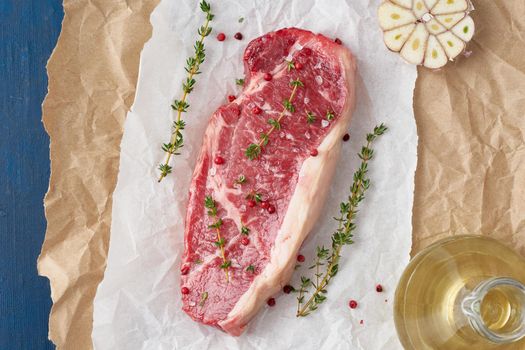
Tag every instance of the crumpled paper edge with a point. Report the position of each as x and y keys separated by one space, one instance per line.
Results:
x=73 y=255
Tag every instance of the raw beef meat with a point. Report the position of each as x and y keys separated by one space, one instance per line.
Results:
x=288 y=182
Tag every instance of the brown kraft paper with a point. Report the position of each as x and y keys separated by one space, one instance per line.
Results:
x=92 y=76
x=470 y=115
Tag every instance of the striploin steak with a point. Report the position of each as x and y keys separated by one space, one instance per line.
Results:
x=262 y=175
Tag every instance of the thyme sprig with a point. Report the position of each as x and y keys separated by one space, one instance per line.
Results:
x=253 y=151
x=209 y=203
x=310 y=117
x=181 y=106
x=204 y=297
x=241 y=180
x=254 y=196
x=341 y=237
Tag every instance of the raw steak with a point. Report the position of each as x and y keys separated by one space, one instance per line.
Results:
x=292 y=175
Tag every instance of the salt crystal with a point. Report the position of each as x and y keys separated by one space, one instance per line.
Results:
x=306 y=100
x=318 y=79
x=325 y=123
x=213 y=171
x=242 y=208
x=289 y=137
x=426 y=17
x=282 y=134
x=192 y=303
x=307 y=135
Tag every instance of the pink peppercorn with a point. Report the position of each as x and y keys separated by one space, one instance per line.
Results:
x=298 y=66
x=379 y=288
x=256 y=110
x=231 y=98
x=346 y=137
x=300 y=258
x=238 y=36
x=185 y=290
x=271 y=302
x=271 y=209
x=185 y=270
x=221 y=36
x=338 y=41
x=314 y=152
x=267 y=76
x=265 y=204
x=352 y=304
x=218 y=160
x=287 y=289
x=251 y=203
x=245 y=241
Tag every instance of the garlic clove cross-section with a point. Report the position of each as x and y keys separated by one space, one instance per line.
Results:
x=435 y=55
x=449 y=6
x=426 y=32
x=464 y=29
x=414 y=49
x=396 y=38
x=450 y=20
x=394 y=16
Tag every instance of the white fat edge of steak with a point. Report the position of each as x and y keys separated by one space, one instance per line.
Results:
x=303 y=211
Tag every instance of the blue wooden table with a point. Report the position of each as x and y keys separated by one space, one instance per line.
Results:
x=28 y=32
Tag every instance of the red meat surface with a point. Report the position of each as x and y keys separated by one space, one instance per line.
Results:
x=327 y=71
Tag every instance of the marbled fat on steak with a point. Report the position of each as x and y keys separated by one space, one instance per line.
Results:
x=291 y=178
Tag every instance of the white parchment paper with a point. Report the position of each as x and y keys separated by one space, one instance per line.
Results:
x=138 y=304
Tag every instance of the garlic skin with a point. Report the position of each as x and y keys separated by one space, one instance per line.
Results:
x=426 y=32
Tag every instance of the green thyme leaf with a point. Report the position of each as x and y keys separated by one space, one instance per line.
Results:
x=204 y=297
x=255 y=196
x=205 y=6
x=241 y=180
x=165 y=169
x=296 y=82
x=265 y=138
x=253 y=151
x=209 y=202
x=310 y=117
x=288 y=106
x=220 y=242
x=275 y=123
x=226 y=264
x=216 y=225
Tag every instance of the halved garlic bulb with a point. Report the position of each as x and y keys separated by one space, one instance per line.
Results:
x=427 y=32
